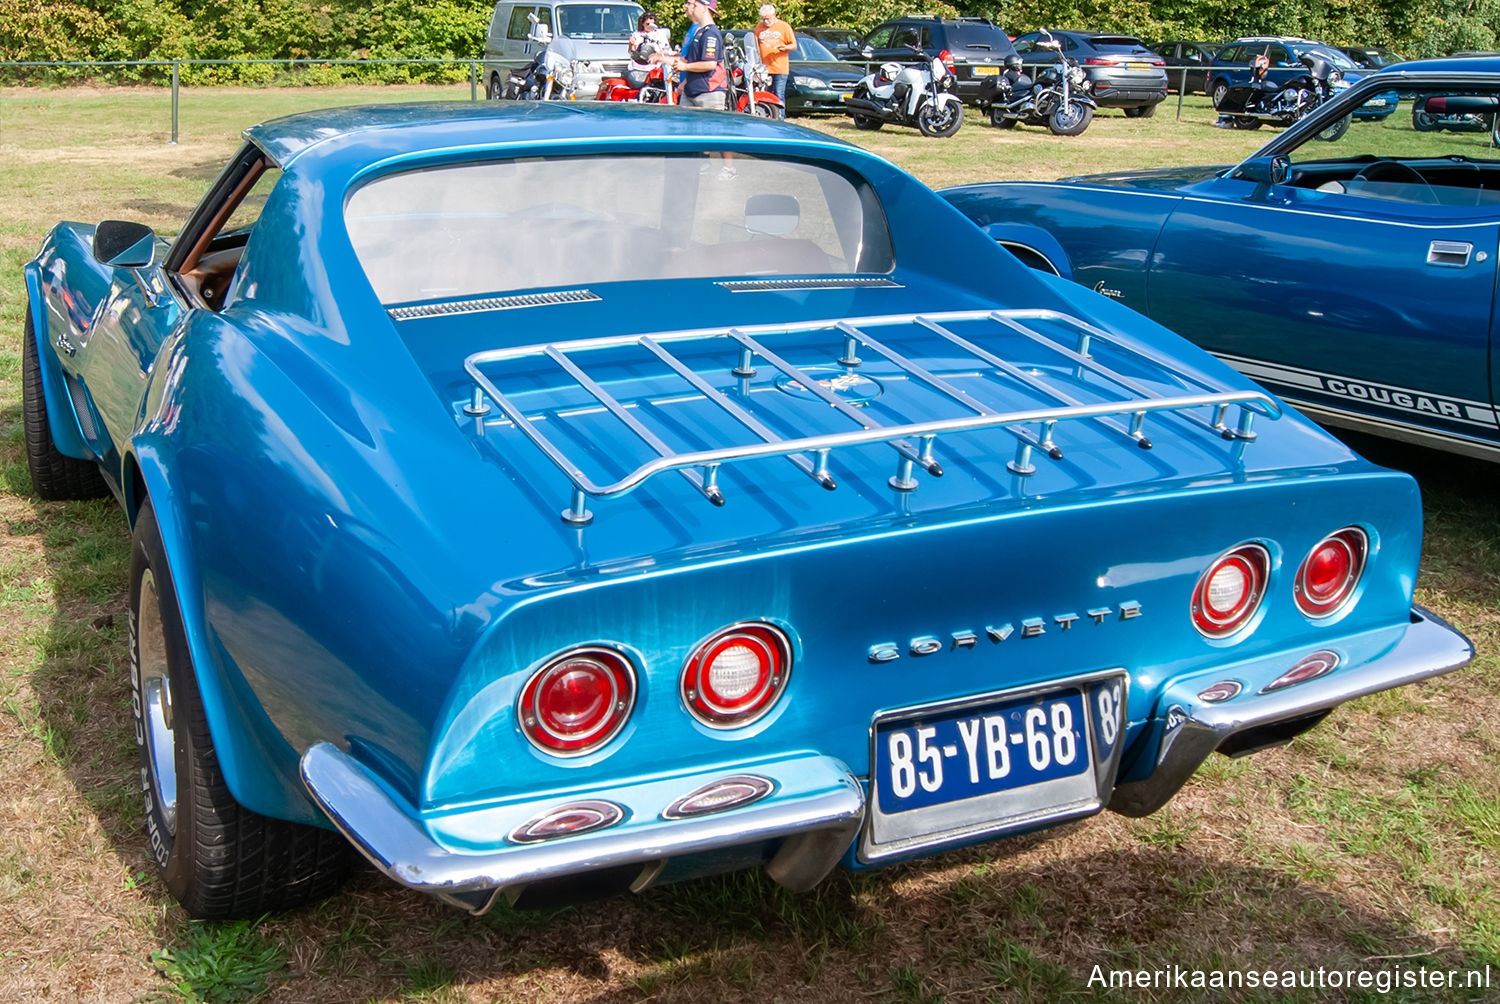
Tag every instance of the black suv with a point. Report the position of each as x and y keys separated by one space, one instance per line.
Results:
x=975 y=48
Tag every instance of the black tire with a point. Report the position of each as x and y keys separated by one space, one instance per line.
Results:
x=217 y=858
x=1141 y=112
x=1000 y=120
x=868 y=122
x=493 y=89
x=939 y=120
x=1423 y=121
x=1247 y=123
x=773 y=112
x=1071 y=119
x=54 y=476
x=1335 y=131
x=1221 y=90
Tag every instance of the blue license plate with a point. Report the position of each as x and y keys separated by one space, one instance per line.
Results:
x=954 y=755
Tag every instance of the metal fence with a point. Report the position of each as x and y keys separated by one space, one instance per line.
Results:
x=176 y=65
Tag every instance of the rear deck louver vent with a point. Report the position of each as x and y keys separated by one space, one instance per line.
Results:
x=770 y=285
x=480 y=304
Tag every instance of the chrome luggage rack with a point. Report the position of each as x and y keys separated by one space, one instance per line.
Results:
x=914 y=442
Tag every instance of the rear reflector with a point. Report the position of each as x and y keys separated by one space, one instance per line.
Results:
x=1331 y=570
x=725 y=793
x=569 y=820
x=578 y=701
x=1309 y=668
x=1230 y=591
x=735 y=676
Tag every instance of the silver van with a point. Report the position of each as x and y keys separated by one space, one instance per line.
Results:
x=594 y=37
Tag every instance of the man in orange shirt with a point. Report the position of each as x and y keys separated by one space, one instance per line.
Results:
x=776 y=40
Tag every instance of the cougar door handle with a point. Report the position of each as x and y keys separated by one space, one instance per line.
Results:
x=1449 y=254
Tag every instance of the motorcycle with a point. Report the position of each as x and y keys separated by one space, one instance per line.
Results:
x=1457 y=113
x=1058 y=98
x=920 y=96
x=549 y=76
x=1252 y=105
x=647 y=83
x=749 y=84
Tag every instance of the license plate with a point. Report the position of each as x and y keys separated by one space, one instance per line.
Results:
x=1376 y=102
x=1138 y=66
x=986 y=71
x=979 y=751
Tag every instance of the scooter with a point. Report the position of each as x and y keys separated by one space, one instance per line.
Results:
x=920 y=96
x=1058 y=98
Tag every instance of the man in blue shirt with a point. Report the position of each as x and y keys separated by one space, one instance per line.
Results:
x=701 y=61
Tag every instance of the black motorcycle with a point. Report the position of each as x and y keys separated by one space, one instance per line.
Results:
x=1260 y=101
x=1455 y=112
x=1058 y=98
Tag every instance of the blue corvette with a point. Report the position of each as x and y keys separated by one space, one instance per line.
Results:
x=1357 y=278
x=554 y=501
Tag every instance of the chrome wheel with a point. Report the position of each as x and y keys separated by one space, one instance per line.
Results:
x=156 y=698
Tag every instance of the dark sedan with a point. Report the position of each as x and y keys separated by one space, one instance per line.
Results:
x=1187 y=63
x=842 y=42
x=818 y=81
x=1122 y=72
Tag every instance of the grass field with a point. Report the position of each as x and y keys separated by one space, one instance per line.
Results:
x=1372 y=843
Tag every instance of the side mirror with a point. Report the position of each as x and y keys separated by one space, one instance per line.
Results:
x=867 y=52
x=123 y=244
x=531 y=16
x=1266 y=170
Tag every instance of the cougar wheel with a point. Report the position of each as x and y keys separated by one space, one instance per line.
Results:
x=217 y=858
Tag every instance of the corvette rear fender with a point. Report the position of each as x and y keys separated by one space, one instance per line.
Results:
x=1034 y=246
x=61 y=418
x=255 y=760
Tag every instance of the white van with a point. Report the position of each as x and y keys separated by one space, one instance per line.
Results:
x=593 y=36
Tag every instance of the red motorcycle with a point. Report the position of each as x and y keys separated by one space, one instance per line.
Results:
x=651 y=86
x=754 y=97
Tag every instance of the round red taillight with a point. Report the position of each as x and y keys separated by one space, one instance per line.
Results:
x=1229 y=593
x=1330 y=572
x=735 y=676
x=578 y=701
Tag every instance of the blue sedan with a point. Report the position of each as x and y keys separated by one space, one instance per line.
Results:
x=1356 y=278
x=552 y=501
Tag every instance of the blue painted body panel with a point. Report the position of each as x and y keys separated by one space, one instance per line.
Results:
x=355 y=566
x=1329 y=298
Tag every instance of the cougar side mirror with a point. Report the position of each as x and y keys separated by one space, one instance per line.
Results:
x=1266 y=170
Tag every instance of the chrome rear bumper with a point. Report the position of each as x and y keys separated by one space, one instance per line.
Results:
x=814 y=810
x=1191 y=728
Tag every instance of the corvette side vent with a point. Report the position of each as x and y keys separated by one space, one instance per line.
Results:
x=484 y=303
x=770 y=285
x=802 y=390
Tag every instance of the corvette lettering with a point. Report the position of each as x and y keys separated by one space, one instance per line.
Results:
x=1030 y=627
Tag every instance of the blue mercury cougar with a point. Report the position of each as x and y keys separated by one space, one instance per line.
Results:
x=552 y=501
x=1355 y=278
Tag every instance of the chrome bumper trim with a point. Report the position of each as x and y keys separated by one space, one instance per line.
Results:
x=1429 y=646
x=817 y=804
